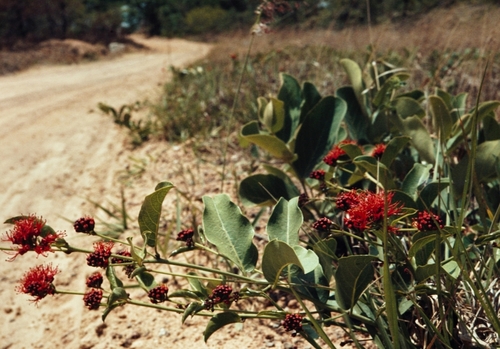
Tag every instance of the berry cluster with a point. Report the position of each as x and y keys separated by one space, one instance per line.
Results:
x=186 y=236
x=129 y=268
x=293 y=322
x=100 y=257
x=85 y=225
x=221 y=294
x=37 y=282
x=31 y=234
x=94 y=280
x=92 y=299
x=323 y=224
x=318 y=174
x=427 y=221
x=158 y=294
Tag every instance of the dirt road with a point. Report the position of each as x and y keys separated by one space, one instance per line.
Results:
x=57 y=149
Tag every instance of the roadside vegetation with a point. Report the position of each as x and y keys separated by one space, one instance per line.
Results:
x=378 y=184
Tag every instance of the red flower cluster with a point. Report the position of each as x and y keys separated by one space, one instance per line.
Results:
x=37 y=282
x=92 y=299
x=378 y=151
x=101 y=254
x=31 y=234
x=187 y=236
x=85 y=225
x=333 y=156
x=365 y=209
x=318 y=174
x=158 y=294
x=293 y=322
x=426 y=221
x=95 y=280
x=221 y=294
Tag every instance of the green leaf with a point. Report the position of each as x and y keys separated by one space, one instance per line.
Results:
x=285 y=222
x=393 y=148
x=325 y=249
x=423 y=272
x=146 y=280
x=318 y=133
x=357 y=121
x=376 y=169
x=218 y=321
x=413 y=127
x=308 y=258
x=491 y=128
x=270 y=143
x=356 y=77
x=149 y=215
x=265 y=190
x=487 y=160
x=441 y=117
x=278 y=255
x=197 y=285
x=274 y=115
x=191 y=310
x=114 y=282
x=406 y=107
x=354 y=274
x=290 y=94
x=430 y=192
x=417 y=176
x=421 y=241
x=311 y=97
x=384 y=94
x=230 y=231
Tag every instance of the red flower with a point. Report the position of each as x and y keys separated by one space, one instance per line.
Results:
x=333 y=156
x=378 y=151
x=37 y=282
x=369 y=209
x=426 y=221
x=158 y=294
x=101 y=254
x=187 y=236
x=85 y=225
x=293 y=322
x=347 y=200
x=92 y=299
x=30 y=235
x=129 y=268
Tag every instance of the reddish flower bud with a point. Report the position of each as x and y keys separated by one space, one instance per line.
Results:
x=378 y=151
x=92 y=299
x=323 y=224
x=85 y=225
x=187 y=236
x=426 y=221
x=293 y=322
x=318 y=174
x=37 y=282
x=221 y=294
x=100 y=257
x=94 y=280
x=158 y=294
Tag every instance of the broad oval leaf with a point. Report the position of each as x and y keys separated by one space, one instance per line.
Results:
x=274 y=115
x=308 y=258
x=441 y=117
x=270 y=143
x=285 y=222
x=417 y=176
x=277 y=255
x=230 y=231
x=290 y=94
x=149 y=215
x=265 y=190
x=218 y=321
x=487 y=160
x=354 y=274
x=356 y=77
x=393 y=148
x=376 y=169
x=318 y=133
x=357 y=122
x=420 y=138
x=407 y=106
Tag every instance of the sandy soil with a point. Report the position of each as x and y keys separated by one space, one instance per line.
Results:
x=57 y=150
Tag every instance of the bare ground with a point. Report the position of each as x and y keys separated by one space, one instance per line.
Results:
x=57 y=151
